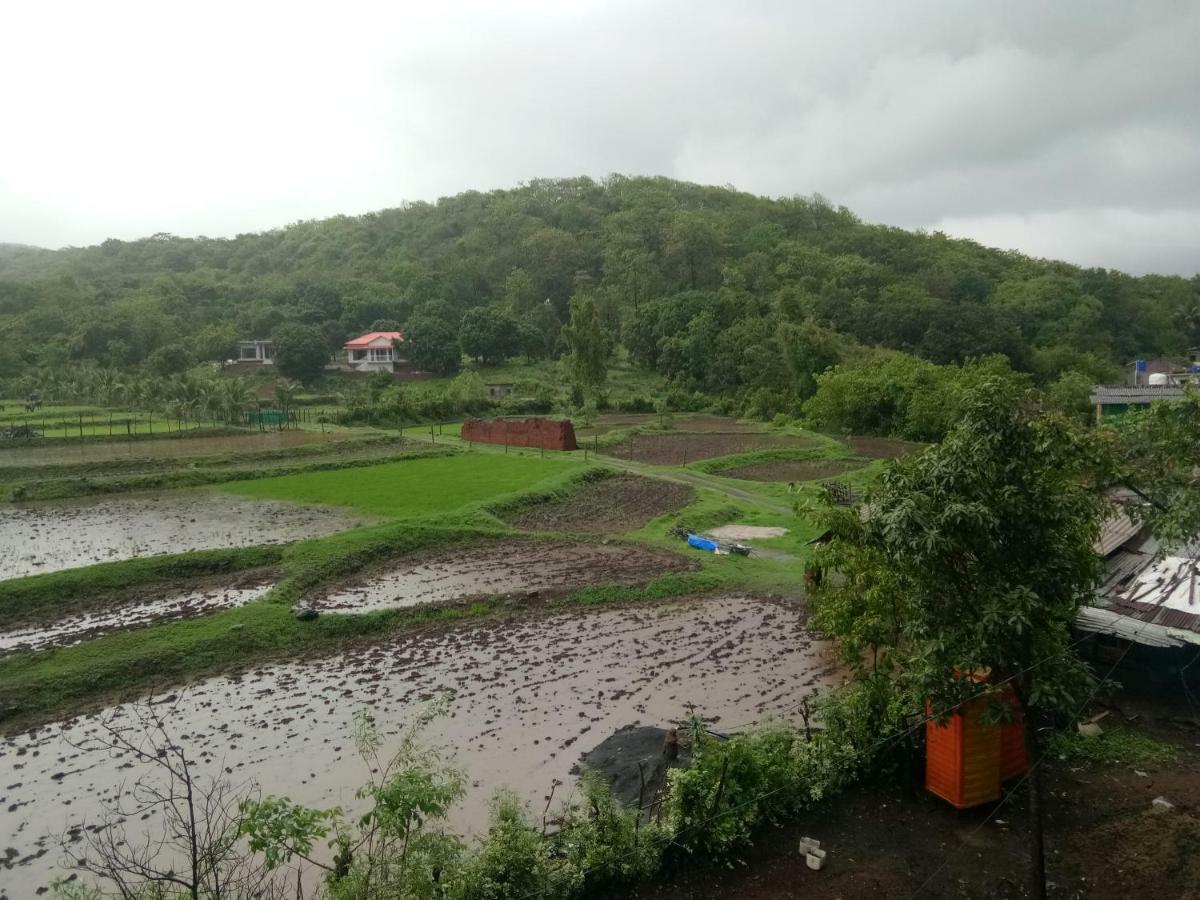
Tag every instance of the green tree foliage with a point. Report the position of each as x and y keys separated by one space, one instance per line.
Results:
x=899 y=395
x=698 y=283
x=431 y=341
x=489 y=334
x=301 y=352
x=1158 y=454
x=975 y=556
x=588 y=344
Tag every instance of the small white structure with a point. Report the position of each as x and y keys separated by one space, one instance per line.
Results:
x=256 y=352
x=374 y=352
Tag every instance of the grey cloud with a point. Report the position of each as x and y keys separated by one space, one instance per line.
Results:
x=1067 y=128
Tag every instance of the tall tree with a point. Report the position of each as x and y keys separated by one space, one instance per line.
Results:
x=975 y=556
x=300 y=352
x=432 y=345
x=588 y=343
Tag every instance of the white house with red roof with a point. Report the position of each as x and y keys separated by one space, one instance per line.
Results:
x=374 y=352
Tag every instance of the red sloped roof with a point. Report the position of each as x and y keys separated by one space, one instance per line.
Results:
x=367 y=339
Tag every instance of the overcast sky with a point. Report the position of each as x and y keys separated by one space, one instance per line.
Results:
x=1063 y=129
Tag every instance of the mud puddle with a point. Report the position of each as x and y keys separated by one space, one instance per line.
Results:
x=529 y=698
x=82 y=626
x=495 y=567
x=47 y=537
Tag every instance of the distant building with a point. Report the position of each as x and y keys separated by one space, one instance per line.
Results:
x=374 y=352
x=499 y=389
x=1149 y=380
x=262 y=352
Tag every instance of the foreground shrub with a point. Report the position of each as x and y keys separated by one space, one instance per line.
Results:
x=608 y=842
x=735 y=786
x=515 y=861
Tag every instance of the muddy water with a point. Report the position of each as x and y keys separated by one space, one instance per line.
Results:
x=46 y=537
x=163 y=448
x=529 y=698
x=87 y=625
x=498 y=568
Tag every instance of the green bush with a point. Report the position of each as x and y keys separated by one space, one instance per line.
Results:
x=734 y=787
x=515 y=861
x=606 y=842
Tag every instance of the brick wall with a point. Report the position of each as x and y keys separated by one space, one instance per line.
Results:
x=550 y=434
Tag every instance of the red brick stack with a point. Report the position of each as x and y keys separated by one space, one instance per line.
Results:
x=549 y=434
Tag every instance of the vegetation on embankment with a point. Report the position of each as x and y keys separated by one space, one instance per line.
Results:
x=39 y=595
x=151 y=462
x=57 y=488
x=58 y=680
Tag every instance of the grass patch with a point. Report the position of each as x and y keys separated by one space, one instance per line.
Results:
x=55 y=489
x=1113 y=748
x=672 y=584
x=829 y=450
x=67 y=678
x=412 y=488
x=36 y=595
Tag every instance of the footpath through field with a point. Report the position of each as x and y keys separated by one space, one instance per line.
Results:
x=700 y=479
x=673 y=473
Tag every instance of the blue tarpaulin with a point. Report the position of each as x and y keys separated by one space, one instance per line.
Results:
x=702 y=543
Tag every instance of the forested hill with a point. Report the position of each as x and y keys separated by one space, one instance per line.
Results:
x=720 y=290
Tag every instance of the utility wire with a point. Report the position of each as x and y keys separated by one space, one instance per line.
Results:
x=1028 y=773
x=892 y=739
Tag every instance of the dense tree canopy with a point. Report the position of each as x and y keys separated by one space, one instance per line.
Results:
x=718 y=290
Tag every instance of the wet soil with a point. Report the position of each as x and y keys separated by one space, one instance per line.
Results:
x=528 y=697
x=680 y=449
x=1103 y=842
x=135 y=608
x=164 y=448
x=543 y=569
x=794 y=469
x=612 y=505
x=696 y=423
x=49 y=536
x=746 y=532
x=881 y=448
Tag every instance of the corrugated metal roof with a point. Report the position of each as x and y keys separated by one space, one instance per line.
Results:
x=1143 y=589
x=1106 y=621
x=1115 y=531
x=1143 y=394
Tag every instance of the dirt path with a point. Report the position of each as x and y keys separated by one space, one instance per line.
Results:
x=698 y=479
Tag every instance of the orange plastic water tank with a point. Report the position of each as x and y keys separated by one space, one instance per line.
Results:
x=962 y=757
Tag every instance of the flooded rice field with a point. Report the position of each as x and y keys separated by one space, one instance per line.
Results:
x=53 y=535
x=163 y=448
x=499 y=567
x=528 y=698
x=167 y=606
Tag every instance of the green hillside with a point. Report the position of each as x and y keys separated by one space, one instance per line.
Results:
x=721 y=292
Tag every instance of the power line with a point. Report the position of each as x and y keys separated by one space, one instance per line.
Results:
x=1029 y=772
x=990 y=688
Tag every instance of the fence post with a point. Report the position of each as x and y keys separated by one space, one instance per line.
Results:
x=432 y=438
x=81 y=424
